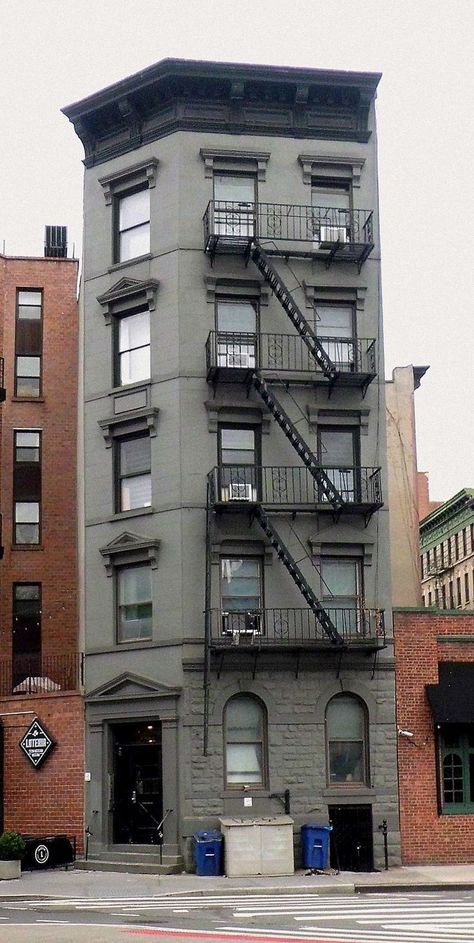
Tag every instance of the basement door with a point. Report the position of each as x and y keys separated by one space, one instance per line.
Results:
x=137 y=777
x=351 y=837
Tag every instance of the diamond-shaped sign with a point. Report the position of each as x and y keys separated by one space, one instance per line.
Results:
x=36 y=743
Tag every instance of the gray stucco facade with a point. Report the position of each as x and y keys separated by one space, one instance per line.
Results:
x=298 y=135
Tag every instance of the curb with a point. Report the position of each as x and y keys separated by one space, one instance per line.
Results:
x=412 y=888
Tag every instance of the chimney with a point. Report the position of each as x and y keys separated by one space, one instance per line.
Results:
x=55 y=242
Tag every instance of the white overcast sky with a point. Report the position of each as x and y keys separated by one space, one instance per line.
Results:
x=54 y=52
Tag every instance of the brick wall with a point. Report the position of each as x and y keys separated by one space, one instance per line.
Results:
x=54 y=563
x=48 y=800
x=422 y=640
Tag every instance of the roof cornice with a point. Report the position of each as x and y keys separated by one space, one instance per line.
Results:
x=178 y=94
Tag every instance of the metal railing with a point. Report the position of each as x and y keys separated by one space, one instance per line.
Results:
x=290 y=486
x=41 y=674
x=288 y=353
x=2 y=379
x=322 y=226
x=294 y=628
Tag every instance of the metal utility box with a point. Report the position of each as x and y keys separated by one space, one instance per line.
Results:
x=258 y=846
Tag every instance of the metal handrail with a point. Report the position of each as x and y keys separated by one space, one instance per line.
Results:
x=288 y=221
x=41 y=674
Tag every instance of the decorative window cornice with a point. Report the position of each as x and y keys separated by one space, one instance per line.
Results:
x=143 y=173
x=230 y=158
x=339 y=417
x=236 y=285
x=314 y=292
x=230 y=411
x=128 y=293
x=141 y=420
x=314 y=165
x=321 y=548
x=128 y=549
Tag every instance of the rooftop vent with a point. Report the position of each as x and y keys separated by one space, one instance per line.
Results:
x=55 y=242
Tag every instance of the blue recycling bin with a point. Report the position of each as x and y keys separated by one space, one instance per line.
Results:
x=208 y=853
x=315 y=846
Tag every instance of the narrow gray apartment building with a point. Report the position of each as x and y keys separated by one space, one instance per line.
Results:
x=239 y=652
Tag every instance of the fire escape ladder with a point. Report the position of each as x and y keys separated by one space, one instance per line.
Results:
x=271 y=276
x=293 y=569
x=324 y=482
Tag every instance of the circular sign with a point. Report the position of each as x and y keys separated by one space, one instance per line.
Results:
x=41 y=855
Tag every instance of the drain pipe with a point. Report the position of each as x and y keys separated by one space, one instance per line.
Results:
x=284 y=798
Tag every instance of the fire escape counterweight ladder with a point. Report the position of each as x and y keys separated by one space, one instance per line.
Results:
x=271 y=276
x=285 y=556
x=324 y=482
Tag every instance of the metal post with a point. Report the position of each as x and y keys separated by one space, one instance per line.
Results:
x=384 y=829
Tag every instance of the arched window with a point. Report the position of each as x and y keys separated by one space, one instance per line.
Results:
x=347 y=740
x=245 y=734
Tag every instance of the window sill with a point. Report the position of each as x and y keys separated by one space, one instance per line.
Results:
x=33 y=547
x=352 y=789
x=117 y=266
x=134 y=512
x=259 y=792
x=27 y=399
x=130 y=645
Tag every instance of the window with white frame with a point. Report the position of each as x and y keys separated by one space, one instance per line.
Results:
x=132 y=361
x=134 y=603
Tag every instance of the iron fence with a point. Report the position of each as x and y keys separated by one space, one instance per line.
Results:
x=294 y=628
x=41 y=674
x=291 y=486
x=288 y=353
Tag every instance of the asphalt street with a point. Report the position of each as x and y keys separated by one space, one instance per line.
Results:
x=421 y=917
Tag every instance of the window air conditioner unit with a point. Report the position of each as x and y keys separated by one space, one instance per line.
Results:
x=240 y=358
x=240 y=491
x=239 y=624
x=333 y=234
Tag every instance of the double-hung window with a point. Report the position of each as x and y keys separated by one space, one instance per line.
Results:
x=26 y=486
x=241 y=594
x=339 y=455
x=245 y=748
x=341 y=579
x=236 y=332
x=28 y=342
x=346 y=740
x=234 y=205
x=133 y=348
x=134 y=603
x=238 y=463
x=132 y=228
x=331 y=208
x=133 y=472
x=335 y=326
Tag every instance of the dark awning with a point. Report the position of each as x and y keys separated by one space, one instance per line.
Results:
x=452 y=700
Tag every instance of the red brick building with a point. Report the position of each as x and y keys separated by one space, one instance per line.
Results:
x=434 y=652
x=40 y=668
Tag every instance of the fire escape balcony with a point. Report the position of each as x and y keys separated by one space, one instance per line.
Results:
x=330 y=234
x=232 y=357
x=288 y=629
x=293 y=488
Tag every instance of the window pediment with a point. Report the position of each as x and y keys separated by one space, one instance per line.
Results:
x=143 y=173
x=130 y=548
x=129 y=293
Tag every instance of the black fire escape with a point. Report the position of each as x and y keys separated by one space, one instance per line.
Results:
x=257 y=361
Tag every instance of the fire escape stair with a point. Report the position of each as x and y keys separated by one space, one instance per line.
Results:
x=272 y=277
x=293 y=569
x=324 y=482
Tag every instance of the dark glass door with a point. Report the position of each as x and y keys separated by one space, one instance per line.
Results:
x=138 y=796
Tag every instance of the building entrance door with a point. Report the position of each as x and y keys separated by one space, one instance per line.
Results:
x=351 y=837
x=137 y=777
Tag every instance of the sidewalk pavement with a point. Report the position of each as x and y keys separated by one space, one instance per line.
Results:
x=73 y=883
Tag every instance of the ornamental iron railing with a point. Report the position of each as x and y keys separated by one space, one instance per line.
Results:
x=292 y=486
x=289 y=628
x=287 y=353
